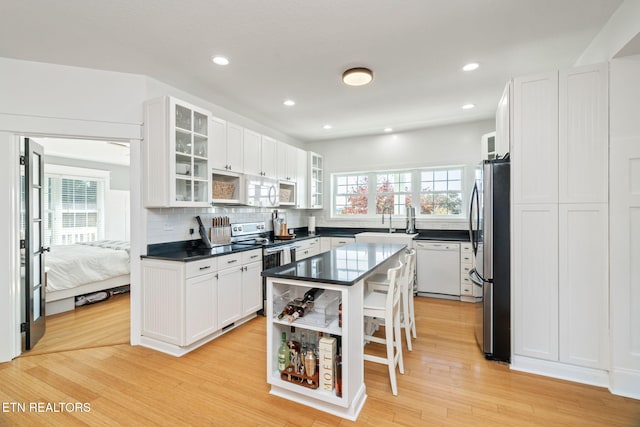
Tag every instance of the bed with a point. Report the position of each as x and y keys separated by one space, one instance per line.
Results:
x=84 y=268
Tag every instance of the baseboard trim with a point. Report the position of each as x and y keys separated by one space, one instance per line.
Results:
x=625 y=382
x=563 y=371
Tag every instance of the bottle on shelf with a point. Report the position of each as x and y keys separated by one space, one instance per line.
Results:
x=300 y=311
x=310 y=365
x=283 y=354
x=340 y=314
x=294 y=352
x=312 y=294
x=338 y=370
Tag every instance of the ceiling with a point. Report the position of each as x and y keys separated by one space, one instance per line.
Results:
x=281 y=49
x=82 y=149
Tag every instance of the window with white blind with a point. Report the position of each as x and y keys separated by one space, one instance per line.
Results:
x=435 y=192
x=74 y=209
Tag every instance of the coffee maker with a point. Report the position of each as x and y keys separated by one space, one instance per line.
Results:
x=411 y=219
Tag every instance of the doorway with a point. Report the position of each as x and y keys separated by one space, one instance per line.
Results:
x=86 y=223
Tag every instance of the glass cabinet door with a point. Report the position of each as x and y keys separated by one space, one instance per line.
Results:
x=191 y=155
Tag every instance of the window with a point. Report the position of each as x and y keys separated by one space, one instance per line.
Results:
x=73 y=209
x=351 y=195
x=441 y=192
x=438 y=190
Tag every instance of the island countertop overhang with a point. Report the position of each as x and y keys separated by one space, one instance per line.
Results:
x=345 y=265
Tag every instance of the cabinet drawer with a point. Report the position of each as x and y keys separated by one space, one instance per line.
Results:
x=464 y=270
x=251 y=256
x=228 y=261
x=466 y=247
x=466 y=290
x=466 y=257
x=203 y=266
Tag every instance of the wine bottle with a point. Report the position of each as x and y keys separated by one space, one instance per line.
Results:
x=283 y=354
x=312 y=294
x=300 y=311
x=338 y=370
x=287 y=310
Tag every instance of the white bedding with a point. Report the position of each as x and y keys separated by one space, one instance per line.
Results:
x=70 y=266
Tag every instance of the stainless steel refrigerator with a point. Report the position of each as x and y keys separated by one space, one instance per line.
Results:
x=489 y=234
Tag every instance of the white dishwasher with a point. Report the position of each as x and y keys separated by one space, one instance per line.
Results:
x=438 y=268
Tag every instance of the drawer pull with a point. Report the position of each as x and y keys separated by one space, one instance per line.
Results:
x=205 y=267
x=232 y=261
x=254 y=256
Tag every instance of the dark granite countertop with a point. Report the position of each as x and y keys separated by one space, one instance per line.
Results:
x=345 y=265
x=192 y=250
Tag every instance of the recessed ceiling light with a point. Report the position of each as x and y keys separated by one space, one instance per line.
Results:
x=327 y=127
x=468 y=106
x=357 y=76
x=471 y=66
x=220 y=60
x=388 y=129
x=289 y=102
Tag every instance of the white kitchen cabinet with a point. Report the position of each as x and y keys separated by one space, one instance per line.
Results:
x=336 y=242
x=251 y=282
x=302 y=198
x=175 y=154
x=251 y=152
x=534 y=145
x=534 y=279
x=560 y=236
x=201 y=294
x=229 y=289
x=259 y=154
x=268 y=157
x=316 y=180
x=466 y=264
x=584 y=127
x=187 y=304
x=583 y=294
x=226 y=146
x=325 y=244
x=178 y=300
x=308 y=248
x=503 y=123
x=287 y=162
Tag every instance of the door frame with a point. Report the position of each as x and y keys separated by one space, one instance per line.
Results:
x=11 y=129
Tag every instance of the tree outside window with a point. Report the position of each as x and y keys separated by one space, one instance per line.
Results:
x=351 y=195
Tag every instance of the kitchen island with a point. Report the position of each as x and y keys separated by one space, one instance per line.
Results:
x=340 y=274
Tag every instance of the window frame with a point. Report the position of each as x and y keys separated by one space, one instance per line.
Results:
x=415 y=193
x=61 y=172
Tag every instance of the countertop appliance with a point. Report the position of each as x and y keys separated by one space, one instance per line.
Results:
x=411 y=220
x=438 y=269
x=489 y=226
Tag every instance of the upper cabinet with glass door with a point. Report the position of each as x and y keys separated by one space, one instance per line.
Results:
x=176 y=153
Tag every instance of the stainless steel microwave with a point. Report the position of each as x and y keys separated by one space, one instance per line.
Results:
x=261 y=191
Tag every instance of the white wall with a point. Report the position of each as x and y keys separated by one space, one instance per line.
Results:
x=624 y=249
x=456 y=144
x=619 y=30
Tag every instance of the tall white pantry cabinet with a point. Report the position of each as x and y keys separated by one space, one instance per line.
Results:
x=559 y=150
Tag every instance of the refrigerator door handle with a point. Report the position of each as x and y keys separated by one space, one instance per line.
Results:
x=474 y=201
x=477 y=279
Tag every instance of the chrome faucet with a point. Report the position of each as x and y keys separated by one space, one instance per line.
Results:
x=388 y=208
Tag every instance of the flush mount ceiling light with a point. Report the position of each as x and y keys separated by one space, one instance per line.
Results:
x=327 y=127
x=468 y=106
x=357 y=76
x=471 y=66
x=220 y=60
x=388 y=129
x=289 y=102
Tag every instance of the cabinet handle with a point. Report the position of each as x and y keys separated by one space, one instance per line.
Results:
x=232 y=261
x=254 y=256
x=205 y=267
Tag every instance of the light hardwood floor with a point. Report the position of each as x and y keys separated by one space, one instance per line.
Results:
x=447 y=383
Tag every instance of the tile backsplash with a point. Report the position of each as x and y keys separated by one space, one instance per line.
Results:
x=173 y=224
